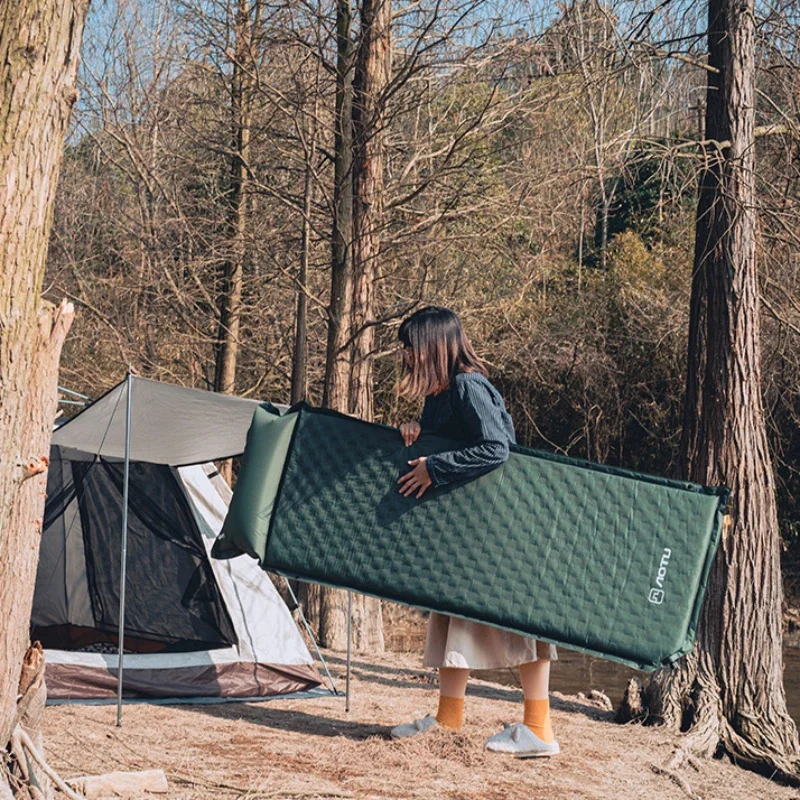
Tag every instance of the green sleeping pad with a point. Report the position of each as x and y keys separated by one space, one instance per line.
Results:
x=595 y=558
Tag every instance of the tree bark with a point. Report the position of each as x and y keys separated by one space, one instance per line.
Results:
x=232 y=273
x=329 y=606
x=32 y=694
x=729 y=692
x=39 y=43
x=230 y=301
x=370 y=83
x=300 y=360
x=338 y=361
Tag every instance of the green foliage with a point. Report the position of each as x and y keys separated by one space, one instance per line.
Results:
x=646 y=189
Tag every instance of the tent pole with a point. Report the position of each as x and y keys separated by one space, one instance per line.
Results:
x=349 y=640
x=75 y=394
x=124 y=557
x=310 y=634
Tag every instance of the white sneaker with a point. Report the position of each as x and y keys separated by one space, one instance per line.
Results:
x=407 y=729
x=521 y=742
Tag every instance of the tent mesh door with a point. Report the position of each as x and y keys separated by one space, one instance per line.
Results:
x=172 y=597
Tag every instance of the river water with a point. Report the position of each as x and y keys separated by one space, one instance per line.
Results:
x=577 y=672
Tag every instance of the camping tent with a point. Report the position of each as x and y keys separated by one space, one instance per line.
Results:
x=194 y=626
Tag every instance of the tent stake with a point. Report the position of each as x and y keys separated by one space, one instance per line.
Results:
x=310 y=634
x=124 y=557
x=349 y=640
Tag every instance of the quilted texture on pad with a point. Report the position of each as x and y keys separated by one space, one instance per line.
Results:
x=563 y=550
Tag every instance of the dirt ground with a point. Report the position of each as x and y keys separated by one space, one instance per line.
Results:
x=297 y=749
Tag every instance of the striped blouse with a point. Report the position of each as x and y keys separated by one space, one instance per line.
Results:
x=471 y=410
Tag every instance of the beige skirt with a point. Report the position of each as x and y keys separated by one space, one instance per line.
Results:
x=454 y=642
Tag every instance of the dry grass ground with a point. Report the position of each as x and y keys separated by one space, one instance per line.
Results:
x=298 y=749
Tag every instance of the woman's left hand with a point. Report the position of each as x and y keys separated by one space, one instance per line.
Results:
x=418 y=480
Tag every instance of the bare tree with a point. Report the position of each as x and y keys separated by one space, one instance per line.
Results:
x=339 y=357
x=300 y=360
x=372 y=76
x=232 y=273
x=329 y=606
x=233 y=269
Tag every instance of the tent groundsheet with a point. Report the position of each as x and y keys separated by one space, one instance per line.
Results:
x=595 y=558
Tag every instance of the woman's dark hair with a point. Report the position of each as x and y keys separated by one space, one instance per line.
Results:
x=439 y=350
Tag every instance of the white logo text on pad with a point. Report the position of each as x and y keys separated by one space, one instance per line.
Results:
x=656 y=595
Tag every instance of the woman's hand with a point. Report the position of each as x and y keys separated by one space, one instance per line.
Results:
x=418 y=480
x=410 y=432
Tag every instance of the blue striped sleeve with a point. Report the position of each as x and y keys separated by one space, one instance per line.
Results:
x=488 y=446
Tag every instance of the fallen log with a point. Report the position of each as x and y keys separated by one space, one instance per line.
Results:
x=38 y=758
x=120 y=784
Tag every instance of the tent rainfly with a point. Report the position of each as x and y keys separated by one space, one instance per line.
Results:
x=192 y=626
x=169 y=424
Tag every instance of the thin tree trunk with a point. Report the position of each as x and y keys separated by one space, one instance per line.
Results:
x=327 y=608
x=604 y=211
x=730 y=691
x=300 y=361
x=338 y=362
x=233 y=269
x=580 y=240
x=231 y=296
x=39 y=43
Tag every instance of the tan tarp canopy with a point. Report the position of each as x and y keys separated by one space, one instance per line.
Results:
x=169 y=424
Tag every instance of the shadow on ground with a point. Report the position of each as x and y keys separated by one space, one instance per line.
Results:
x=282 y=719
x=368 y=672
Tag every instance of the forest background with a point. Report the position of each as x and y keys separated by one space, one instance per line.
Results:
x=538 y=175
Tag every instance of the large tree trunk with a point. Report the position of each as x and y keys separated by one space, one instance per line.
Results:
x=730 y=693
x=39 y=42
x=328 y=607
x=370 y=83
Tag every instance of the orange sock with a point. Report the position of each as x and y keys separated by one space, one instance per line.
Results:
x=451 y=712
x=537 y=718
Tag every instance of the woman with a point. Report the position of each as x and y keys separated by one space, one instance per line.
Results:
x=440 y=365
